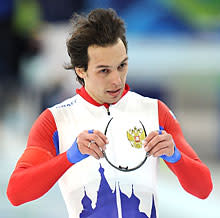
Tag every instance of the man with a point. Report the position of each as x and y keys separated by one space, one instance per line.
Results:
x=67 y=142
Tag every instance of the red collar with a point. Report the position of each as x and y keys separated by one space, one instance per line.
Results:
x=83 y=93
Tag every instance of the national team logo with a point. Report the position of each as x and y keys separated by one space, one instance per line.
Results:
x=136 y=136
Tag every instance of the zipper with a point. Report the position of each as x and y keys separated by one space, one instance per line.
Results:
x=117 y=188
x=108 y=112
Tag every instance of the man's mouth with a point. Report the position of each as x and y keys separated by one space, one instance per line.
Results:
x=114 y=93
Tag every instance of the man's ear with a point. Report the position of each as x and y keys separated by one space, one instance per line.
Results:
x=80 y=72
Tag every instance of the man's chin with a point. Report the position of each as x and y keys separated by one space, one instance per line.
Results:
x=113 y=100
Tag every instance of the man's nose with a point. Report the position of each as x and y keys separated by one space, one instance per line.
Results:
x=116 y=78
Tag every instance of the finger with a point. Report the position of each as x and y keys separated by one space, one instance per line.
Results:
x=98 y=141
x=160 y=152
x=86 y=136
x=158 y=147
x=152 y=134
x=102 y=136
x=94 y=147
x=155 y=140
x=91 y=152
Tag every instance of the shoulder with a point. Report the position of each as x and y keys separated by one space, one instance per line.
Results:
x=42 y=131
x=166 y=116
x=65 y=104
x=140 y=98
x=164 y=112
x=45 y=118
x=135 y=102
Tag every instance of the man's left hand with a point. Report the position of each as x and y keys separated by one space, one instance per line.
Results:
x=159 y=144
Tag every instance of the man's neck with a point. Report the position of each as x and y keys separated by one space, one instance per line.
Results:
x=84 y=94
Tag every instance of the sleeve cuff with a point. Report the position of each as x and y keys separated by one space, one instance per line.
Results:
x=174 y=158
x=74 y=155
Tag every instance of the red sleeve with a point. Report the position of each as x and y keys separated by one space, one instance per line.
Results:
x=193 y=175
x=39 y=168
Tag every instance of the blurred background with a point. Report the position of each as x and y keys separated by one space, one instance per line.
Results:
x=174 y=55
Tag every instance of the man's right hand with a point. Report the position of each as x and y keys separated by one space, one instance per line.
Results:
x=88 y=142
x=92 y=142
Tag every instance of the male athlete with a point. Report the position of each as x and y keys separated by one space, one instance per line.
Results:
x=67 y=141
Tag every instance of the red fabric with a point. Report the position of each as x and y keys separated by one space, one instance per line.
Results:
x=83 y=93
x=34 y=174
x=41 y=134
x=193 y=175
x=28 y=183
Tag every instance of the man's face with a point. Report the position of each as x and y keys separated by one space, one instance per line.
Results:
x=106 y=74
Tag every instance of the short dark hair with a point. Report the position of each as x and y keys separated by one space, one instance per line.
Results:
x=100 y=27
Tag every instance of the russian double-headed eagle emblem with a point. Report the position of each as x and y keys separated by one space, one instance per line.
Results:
x=136 y=136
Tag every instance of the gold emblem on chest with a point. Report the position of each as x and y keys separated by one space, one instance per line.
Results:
x=136 y=136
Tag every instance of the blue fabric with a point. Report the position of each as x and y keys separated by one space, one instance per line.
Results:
x=74 y=155
x=56 y=142
x=161 y=128
x=160 y=132
x=176 y=155
x=106 y=206
x=174 y=158
x=90 y=131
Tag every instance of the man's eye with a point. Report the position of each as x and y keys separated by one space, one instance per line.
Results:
x=104 y=71
x=122 y=65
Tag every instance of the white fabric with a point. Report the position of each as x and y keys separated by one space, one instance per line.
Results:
x=75 y=115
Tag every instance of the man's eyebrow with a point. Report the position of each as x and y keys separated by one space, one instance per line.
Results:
x=125 y=59
x=107 y=66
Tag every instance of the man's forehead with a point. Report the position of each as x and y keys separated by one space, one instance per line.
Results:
x=111 y=54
